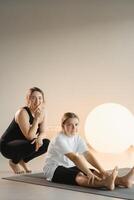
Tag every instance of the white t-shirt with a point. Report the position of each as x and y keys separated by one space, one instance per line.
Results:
x=58 y=147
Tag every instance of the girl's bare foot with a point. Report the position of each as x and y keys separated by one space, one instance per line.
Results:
x=23 y=164
x=110 y=180
x=127 y=180
x=15 y=167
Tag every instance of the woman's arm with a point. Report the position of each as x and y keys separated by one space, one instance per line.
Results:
x=42 y=135
x=42 y=128
x=22 y=119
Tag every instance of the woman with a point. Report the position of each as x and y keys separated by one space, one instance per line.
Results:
x=68 y=157
x=25 y=137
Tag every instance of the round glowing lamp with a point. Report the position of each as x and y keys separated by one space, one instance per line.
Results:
x=109 y=128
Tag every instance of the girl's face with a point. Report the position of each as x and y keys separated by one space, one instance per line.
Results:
x=71 y=126
x=35 y=100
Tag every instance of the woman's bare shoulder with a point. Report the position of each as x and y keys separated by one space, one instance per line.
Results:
x=21 y=112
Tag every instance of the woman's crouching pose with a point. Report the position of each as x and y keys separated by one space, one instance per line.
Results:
x=25 y=137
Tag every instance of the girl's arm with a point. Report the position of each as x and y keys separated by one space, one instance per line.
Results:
x=82 y=164
x=92 y=160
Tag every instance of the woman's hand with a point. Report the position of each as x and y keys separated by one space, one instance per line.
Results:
x=39 y=112
x=38 y=143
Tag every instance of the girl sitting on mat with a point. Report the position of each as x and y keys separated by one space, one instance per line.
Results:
x=68 y=157
x=25 y=138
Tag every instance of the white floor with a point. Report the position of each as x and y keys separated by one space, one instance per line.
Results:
x=11 y=190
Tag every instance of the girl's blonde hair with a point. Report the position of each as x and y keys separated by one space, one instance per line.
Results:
x=67 y=116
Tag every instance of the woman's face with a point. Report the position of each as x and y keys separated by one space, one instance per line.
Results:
x=35 y=100
x=71 y=126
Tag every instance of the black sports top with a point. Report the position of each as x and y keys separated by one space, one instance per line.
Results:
x=14 y=132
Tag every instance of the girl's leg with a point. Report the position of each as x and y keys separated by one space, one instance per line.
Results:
x=108 y=182
x=127 y=180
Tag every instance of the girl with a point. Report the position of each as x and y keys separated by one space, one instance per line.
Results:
x=68 y=157
x=24 y=139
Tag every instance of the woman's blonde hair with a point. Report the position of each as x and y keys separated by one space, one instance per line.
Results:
x=67 y=116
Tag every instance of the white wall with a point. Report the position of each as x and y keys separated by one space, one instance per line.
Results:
x=80 y=52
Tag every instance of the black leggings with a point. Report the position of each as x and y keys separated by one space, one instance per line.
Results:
x=17 y=150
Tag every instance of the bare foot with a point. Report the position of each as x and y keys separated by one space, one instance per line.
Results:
x=15 y=167
x=23 y=164
x=110 y=180
x=127 y=180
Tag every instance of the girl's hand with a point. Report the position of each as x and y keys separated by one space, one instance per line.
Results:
x=92 y=177
x=108 y=173
x=105 y=174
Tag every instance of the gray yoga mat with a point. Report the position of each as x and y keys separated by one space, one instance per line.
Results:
x=38 y=179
